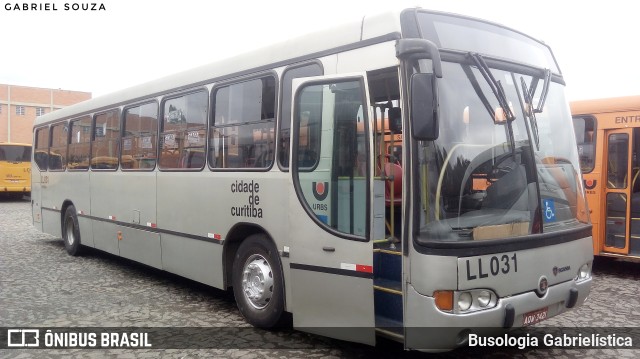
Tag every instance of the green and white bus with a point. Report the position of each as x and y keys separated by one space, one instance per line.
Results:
x=411 y=172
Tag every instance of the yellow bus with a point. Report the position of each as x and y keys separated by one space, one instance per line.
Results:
x=15 y=169
x=608 y=138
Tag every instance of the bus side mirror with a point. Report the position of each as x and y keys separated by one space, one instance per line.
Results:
x=424 y=107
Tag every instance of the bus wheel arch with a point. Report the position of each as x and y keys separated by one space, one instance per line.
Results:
x=255 y=272
x=238 y=233
x=70 y=229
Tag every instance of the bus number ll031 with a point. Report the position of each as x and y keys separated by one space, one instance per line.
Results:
x=491 y=266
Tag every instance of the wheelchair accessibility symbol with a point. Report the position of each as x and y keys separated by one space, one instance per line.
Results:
x=548 y=210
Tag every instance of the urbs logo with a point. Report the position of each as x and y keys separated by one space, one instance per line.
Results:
x=320 y=190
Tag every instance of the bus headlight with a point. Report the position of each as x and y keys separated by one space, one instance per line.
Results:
x=464 y=301
x=484 y=298
x=584 y=272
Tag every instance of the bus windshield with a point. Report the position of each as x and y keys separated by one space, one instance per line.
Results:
x=463 y=34
x=15 y=153
x=495 y=172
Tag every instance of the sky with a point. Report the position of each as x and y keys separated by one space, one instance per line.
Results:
x=135 y=41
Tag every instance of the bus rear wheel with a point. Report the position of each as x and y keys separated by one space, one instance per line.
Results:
x=71 y=232
x=257 y=282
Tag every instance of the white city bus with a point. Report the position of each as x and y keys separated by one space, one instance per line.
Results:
x=412 y=172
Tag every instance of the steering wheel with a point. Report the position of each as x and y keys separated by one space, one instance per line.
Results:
x=497 y=171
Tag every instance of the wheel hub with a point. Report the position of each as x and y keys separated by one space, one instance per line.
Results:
x=69 y=232
x=257 y=281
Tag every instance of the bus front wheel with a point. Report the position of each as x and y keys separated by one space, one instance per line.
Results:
x=257 y=282
x=71 y=232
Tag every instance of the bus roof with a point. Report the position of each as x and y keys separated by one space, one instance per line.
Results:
x=368 y=28
x=603 y=105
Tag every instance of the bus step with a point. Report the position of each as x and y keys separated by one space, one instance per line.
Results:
x=387 y=298
x=389 y=328
x=387 y=264
x=388 y=285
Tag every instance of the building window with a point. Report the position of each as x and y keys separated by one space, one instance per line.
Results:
x=20 y=110
x=39 y=111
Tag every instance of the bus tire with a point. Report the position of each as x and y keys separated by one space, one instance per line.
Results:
x=258 y=285
x=71 y=232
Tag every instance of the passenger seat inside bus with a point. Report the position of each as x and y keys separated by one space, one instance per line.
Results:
x=193 y=159
x=235 y=161
x=393 y=172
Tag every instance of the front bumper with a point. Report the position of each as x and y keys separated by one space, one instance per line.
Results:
x=429 y=329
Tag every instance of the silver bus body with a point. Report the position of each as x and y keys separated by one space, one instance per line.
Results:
x=318 y=229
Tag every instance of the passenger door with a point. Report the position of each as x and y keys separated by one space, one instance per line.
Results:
x=331 y=251
x=619 y=176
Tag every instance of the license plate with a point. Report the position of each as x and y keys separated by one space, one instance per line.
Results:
x=535 y=316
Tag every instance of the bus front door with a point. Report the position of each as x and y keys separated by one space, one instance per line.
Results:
x=331 y=251
x=619 y=178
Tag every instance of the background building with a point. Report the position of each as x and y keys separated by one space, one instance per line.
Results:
x=20 y=105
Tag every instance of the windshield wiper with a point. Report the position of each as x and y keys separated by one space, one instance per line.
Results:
x=495 y=85
x=498 y=91
x=528 y=98
x=545 y=91
x=476 y=87
x=530 y=111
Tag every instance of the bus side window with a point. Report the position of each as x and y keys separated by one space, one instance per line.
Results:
x=635 y=166
x=284 y=125
x=585 y=130
x=140 y=140
x=183 y=130
x=41 y=154
x=169 y=159
x=307 y=158
x=327 y=114
x=235 y=161
x=79 y=145
x=105 y=146
x=58 y=147
x=192 y=159
x=242 y=129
